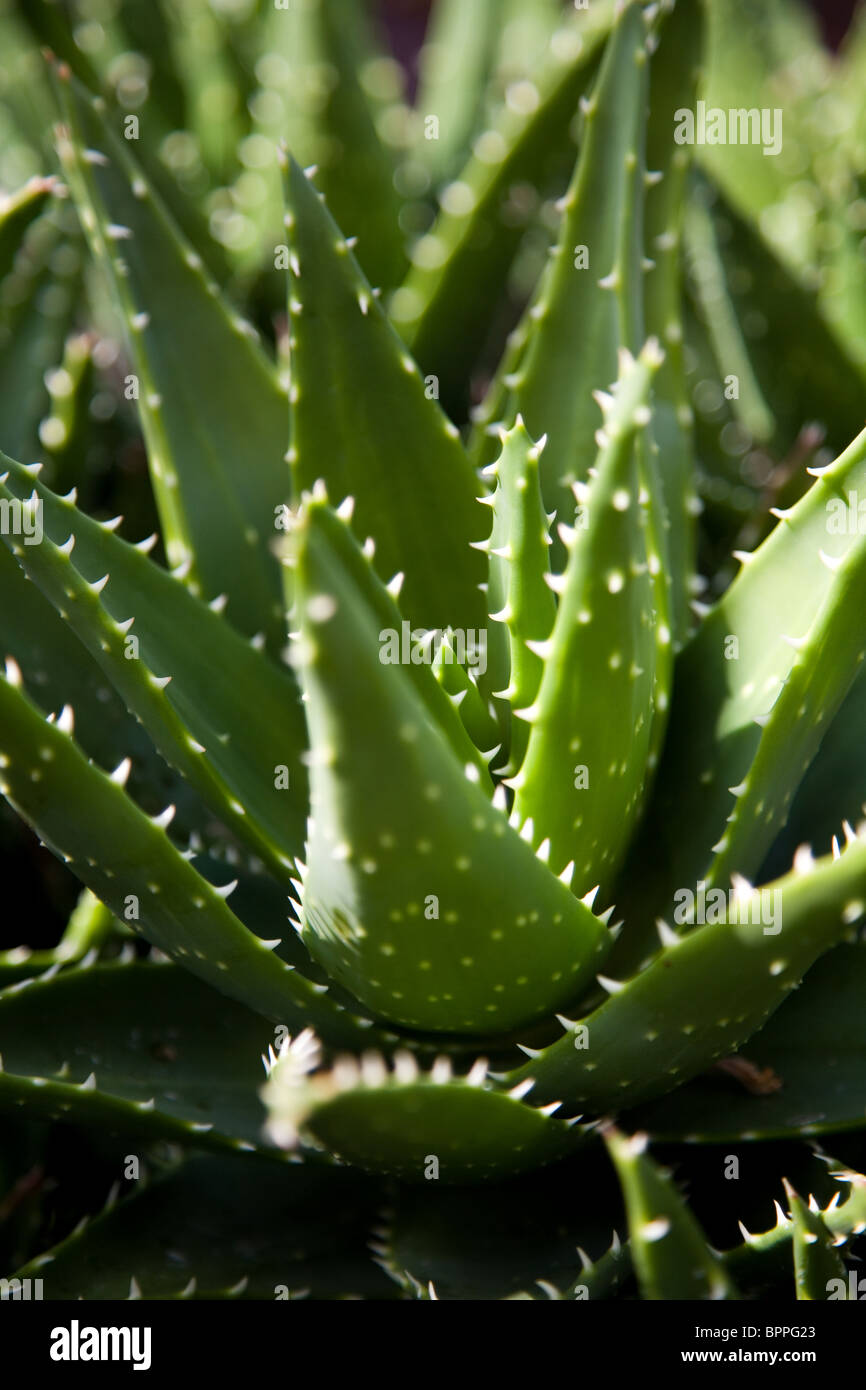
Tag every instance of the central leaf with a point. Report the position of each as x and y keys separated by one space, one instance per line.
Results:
x=418 y=894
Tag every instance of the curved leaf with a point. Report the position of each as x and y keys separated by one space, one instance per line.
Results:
x=705 y=993
x=140 y=875
x=224 y=1227
x=410 y=1124
x=671 y=1256
x=199 y=717
x=212 y=411
x=418 y=895
x=813 y=1050
x=448 y=301
x=595 y=700
x=361 y=420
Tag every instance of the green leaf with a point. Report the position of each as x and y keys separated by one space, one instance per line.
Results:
x=17 y=211
x=528 y=30
x=447 y=305
x=357 y=399
x=146 y=29
x=90 y=926
x=674 y=71
x=224 y=1227
x=725 y=331
x=813 y=1049
x=727 y=679
x=36 y=315
x=455 y=64
x=817 y=1266
x=316 y=95
x=585 y=770
x=589 y=302
x=459 y=681
x=833 y=789
x=66 y=434
x=161 y=1054
x=231 y=760
x=755 y=50
x=212 y=411
x=769 y=1252
x=827 y=660
x=597 y=1278
x=396 y=644
x=407 y=860
x=140 y=871
x=670 y=1252
x=519 y=585
x=58 y=671
x=140 y=28
x=198 y=52
x=494 y=1241
x=398 y=1122
x=705 y=993
x=769 y=329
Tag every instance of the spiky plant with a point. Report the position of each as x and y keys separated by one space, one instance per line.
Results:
x=414 y=768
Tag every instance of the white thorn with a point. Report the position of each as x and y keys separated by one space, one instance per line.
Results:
x=478 y=1075
x=395 y=584
x=832 y=562
x=804 y=860
x=541 y=649
x=530 y=714
x=556 y=582
x=612 y=986
x=667 y=936
x=405 y=1068
x=121 y=772
x=521 y=1089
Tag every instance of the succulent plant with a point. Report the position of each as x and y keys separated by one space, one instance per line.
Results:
x=438 y=762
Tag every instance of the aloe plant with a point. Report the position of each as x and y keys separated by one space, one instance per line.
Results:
x=402 y=758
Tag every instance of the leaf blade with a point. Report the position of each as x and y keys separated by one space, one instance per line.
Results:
x=212 y=410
